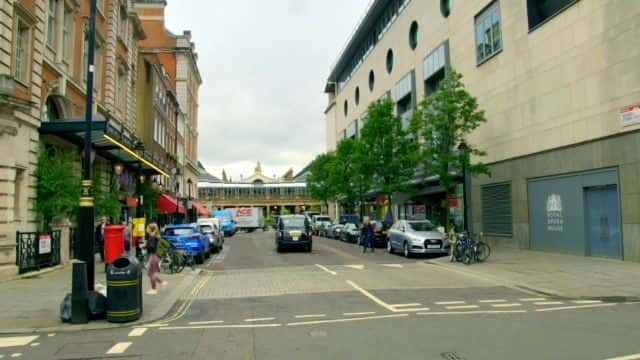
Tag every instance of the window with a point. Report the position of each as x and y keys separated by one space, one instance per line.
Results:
x=445 y=7
x=372 y=80
x=122 y=24
x=346 y=108
x=539 y=11
x=85 y=56
x=389 y=61
x=67 y=31
x=121 y=89
x=357 y=96
x=97 y=75
x=496 y=209
x=413 y=35
x=18 y=194
x=488 y=33
x=22 y=52
x=51 y=23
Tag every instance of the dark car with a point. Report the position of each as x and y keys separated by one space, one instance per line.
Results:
x=335 y=230
x=350 y=233
x=294 y=230
x=380 y=233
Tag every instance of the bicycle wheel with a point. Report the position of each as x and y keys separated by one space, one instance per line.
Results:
x=483 y=251
x=165 y=263
x=467 y=256
x=179 y=262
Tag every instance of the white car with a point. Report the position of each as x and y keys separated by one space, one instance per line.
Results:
x=417 y=237
x=211 y=227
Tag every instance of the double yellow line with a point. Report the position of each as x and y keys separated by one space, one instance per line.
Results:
x=182 y=310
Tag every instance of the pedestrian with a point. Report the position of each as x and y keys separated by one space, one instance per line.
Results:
x=99 y=237
x=127 y=235
x=153 y=236
x=367 y=235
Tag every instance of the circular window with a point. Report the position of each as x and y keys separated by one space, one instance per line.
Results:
x=413 y=35
x=389 y=61
x=357 y=96
x=346 y=108
x=372 y=80
x=445 y=7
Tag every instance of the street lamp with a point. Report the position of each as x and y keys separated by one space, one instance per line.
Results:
x=189 y=183
x=466 y=188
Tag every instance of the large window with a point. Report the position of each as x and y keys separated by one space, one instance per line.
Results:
x=488 y=33
x=496 y=209
x=67 y=35
x=121 y=89
x=51 y=23
x=122 y=24
x=22 y=47
x=539 y=11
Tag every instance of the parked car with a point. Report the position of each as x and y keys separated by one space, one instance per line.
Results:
x=416 y=237
x=352 y=218
x=294 y=230
x=317 y=222
x=335 y=231
x=188 y=237
x=380 y=233
x=226 y=221
x=323 y=228
x=211 y=227
x=350 y=233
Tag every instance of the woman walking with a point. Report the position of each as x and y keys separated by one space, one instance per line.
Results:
x=367 y=235
x=154 y=261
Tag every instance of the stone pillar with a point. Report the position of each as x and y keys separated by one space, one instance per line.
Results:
x=64 y=226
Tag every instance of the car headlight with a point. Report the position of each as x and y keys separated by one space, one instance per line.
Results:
x=416 y=240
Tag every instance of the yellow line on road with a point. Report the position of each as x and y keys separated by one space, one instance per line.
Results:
x=182 y=310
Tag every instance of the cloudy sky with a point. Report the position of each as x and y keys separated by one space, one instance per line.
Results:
x=264 y=64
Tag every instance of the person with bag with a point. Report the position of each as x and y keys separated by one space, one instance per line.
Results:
x=367 y=235
x=154 y=262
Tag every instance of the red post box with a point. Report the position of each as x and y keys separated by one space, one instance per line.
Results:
x=113 y=242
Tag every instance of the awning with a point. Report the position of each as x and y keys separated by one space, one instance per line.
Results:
x=202 y=210
x=167 y=205
x=108 y=142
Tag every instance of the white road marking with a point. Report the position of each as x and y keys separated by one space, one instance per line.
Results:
x=587 y=301
x=156 y=325
x=398 y=266
x=138 y=331
x=412 y=309
x=317 y=322
x=492 y=301
x=476 y=312
x=371 y=296
x=450 y=302
x=120 y=347
x=406 y=305
x=201 y=327
x=357 y=267
x=506 y=305
x=35 y=344
x=259 y=319
x=461 y=307
x=533 y=299
x=326 y=269
x=626 y=357
x=15 y=355
x=359 y=313
x=51 y=335
x=16 y=341
x=549 y=303
x=310 y=316
x=206 y=322
x=576 y=307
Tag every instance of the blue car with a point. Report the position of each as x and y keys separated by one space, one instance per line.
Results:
x=226 y=221
x=188 y=237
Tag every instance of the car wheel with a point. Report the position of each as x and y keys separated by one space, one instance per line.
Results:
x=389 y=246
x=308 y=248
x=199 y=259
x=407 y=254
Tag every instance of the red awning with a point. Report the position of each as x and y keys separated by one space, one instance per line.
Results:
x=166 y=204
x=201 y=209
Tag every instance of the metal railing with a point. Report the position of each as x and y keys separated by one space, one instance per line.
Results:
x=37 y=250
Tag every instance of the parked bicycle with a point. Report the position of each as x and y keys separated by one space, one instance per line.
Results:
x=470 y=250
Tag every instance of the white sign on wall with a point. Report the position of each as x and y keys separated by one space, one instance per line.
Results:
x=555 y=221
x=630 y=115
x=44 y=244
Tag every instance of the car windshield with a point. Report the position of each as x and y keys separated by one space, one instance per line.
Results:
x=421 y=226
x=178 y=231
x=206 y=228
x=295 y=222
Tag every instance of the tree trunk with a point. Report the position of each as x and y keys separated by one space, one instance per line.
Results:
x=390 y=208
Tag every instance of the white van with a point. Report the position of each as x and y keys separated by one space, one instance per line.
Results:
x=211 y=227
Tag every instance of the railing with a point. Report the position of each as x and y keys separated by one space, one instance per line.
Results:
x=36 y=250
x=73 y=233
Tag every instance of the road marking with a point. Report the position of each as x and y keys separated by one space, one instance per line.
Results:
x=406 y=305
x=461 y=307
x=398 y=266
x=206 y=322
x=533 y=299
x=587 y=301
x=359 y=313
x=412 y=310
x=156 y=325
x=576 y=307
x=317 y=322
x=492 y=301
x=138 y=331
x=549 y=303
x=182 y=310
x=450 y=302
x=506 y=305
x=626 y=357
x=35 y=344
x=357 y=267
x=201 y=327
x=120 y=347
x=16 y=341
x=259 y=319
x=477 y=312
x=51 y=335
x=15 y=355
x=310 y=316
x=371 y=296
x=326 y=269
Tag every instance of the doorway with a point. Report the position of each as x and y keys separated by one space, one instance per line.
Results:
x=602 y=222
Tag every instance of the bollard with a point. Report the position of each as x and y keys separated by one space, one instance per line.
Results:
x=79 y=293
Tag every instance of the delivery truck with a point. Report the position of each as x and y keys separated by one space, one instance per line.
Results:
x=248 y=218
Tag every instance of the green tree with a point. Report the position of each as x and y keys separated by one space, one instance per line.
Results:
x=106 y=197
x=58 y=185
x=348 y=177
x=442 y=121
x=389 y=159
x=319 y=178
x=149 y=198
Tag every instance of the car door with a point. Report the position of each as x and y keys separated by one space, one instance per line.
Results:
x=393 y=235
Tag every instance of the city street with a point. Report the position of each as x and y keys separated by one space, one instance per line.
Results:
x=337 y=303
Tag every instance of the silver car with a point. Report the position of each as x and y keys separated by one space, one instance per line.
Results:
x=416 y=237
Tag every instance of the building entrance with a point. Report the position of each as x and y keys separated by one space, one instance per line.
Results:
x=603 y=222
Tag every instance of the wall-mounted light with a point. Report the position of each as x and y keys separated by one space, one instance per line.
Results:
x=142 y=178
x=117 y=168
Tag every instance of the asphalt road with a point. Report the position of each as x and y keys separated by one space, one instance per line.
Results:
x=338 y=303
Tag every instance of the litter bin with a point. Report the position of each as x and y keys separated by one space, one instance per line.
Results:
x=113 y=242
x=124 y=290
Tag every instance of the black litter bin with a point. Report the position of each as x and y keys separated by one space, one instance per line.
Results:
x=124 y=290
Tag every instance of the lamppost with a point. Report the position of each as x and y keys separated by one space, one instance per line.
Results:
x=177 y=186
x=466 y=188
x=187 y=208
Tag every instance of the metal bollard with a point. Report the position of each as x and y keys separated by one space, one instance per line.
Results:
x=79 y=293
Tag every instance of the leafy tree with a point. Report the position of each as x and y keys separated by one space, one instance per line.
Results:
x=389 y=159
x=106 y=196
x=149 y=198
x=58 y=184
x=348 y=178
x=442 y=121
x=319 y=178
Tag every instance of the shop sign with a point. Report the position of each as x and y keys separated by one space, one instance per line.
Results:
x=630 y=115
x=555 y=221
x=44 y=244
x=419 y=209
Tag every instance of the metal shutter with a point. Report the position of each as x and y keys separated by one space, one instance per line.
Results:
x=496 y=209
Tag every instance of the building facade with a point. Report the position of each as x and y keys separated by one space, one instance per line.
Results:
x=560 y=90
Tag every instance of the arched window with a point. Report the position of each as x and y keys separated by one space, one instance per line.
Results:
x=389 y=61
x=413 y=35
x=372 y=80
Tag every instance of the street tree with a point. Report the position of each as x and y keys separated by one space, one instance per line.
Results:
x=442 y=122
x=348 y=178
x=319 y=178
x=388 y=159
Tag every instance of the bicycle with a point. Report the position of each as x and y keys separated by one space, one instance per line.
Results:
x=483 y=249
x=476 y=250
x=172 y=262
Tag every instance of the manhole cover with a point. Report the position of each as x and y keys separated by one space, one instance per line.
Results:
x=451 y=356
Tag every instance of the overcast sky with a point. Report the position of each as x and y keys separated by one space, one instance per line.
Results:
x=264 y=64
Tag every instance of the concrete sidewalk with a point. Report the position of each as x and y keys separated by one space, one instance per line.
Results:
x=556 y=274
x=32 y=304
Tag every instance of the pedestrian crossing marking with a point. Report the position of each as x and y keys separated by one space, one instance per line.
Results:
x=397 y=266
x=138 y=331
x=16 y=341
x=357 y=267
x=119 y=348
x=449 y=302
